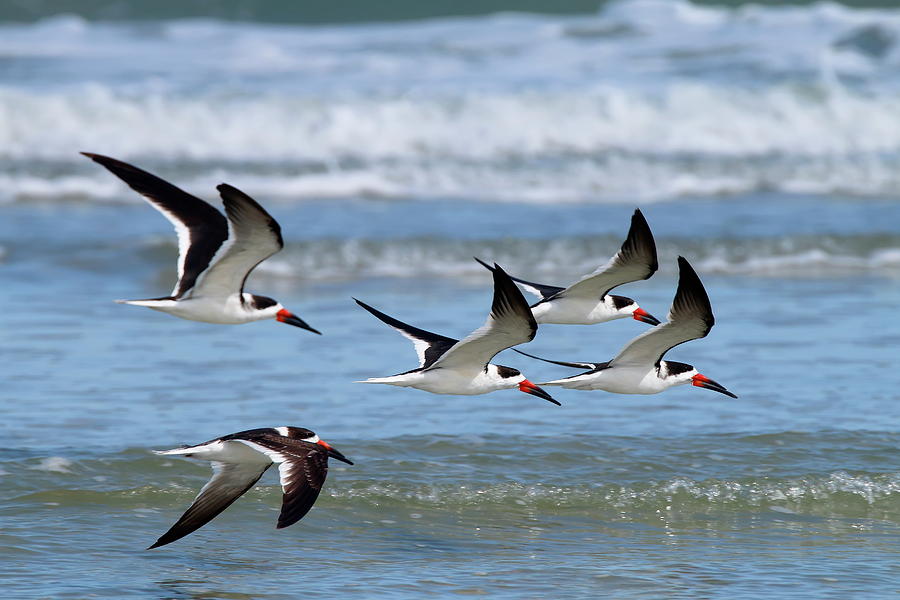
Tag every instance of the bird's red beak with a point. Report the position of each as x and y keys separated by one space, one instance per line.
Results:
x=705 y=382
x=286 y=316
x=643 y=316
x=334 y=453
x=529 y=388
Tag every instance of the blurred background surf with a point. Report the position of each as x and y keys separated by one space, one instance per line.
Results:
x=393 y=144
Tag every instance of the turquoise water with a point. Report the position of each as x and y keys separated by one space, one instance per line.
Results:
x=392 y=153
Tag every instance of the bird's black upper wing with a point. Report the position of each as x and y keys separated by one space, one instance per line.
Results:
x=690 y=318
x=429 y=346
x=200 y=227
x=228 y=483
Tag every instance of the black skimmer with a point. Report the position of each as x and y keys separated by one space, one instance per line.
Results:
x=639 y=367
x=215 y=254
x=239 y=460
x=449 y=366
x=588 y=301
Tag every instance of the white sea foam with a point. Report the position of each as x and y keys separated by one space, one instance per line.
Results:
x=54 y=464
x=614 y=145
x=645 y=100
x=837 y=491
x=680 y=121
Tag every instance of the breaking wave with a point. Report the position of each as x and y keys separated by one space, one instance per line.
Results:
x=646 y=100
x=606 y=145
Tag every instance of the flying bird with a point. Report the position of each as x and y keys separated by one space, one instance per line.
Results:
x=639 y=368
x=215 y=254
x=588 y=301
x=239 y=460
x=449 y=366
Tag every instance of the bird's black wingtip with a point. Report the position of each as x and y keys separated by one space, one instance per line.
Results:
x=497 y=270
x=100 y=159
x=288 y=521
x=688 y=276
x=640 y=246
x=687 y=273
x=691 y=289
x=483 y=264
x=638 y=218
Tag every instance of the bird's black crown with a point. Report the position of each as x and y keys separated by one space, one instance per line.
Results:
x=507 y=372
x=299 y=433
x=676 y=368
x=621 y=302
x=262 y=302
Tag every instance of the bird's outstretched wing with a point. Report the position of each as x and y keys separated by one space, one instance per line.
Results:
x=429 y=346
x=301 y=480
x=302 y=467
x=690 y=318
x=201 y=228
x=228 y=483
x=254 y=236
x=510 y=322
x=635 y=260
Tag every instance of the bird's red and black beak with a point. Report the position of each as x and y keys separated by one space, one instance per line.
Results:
x=705 y=382
x=529 y=388
x=643 y=316
x=286 y=316
x=334 y=453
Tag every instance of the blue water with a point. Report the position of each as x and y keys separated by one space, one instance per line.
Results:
x=760 y=142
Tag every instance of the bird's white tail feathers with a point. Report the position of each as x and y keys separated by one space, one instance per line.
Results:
x=151 y=303
x=183 y=450
x=401 y=380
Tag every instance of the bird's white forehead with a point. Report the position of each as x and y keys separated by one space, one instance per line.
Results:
x=312 y=440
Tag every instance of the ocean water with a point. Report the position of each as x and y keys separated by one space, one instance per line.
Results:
x=761 y=142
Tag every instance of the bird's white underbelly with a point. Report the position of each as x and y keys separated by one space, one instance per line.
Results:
x=223 y=311
x=573 y=311
x=619 y=381
x=229 y=451
x=444 y=381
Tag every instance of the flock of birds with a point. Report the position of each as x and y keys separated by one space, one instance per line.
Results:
x=217 y=252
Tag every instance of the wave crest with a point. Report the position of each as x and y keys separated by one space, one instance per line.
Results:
x=689 y=139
